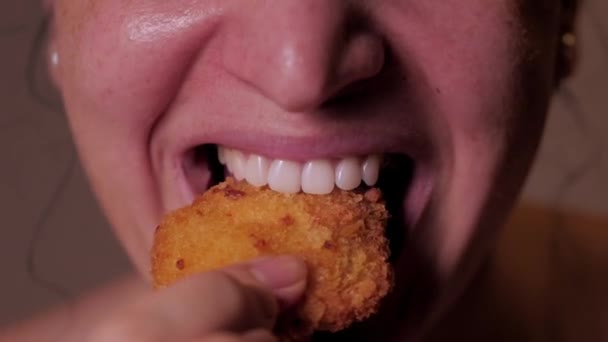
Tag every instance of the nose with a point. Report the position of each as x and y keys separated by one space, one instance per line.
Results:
x=301 y=53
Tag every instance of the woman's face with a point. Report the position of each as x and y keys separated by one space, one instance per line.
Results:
x=459 y=87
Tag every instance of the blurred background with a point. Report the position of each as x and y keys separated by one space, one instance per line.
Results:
x=47 y=207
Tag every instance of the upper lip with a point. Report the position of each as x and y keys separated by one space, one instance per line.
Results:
x=303 y=148
x=296 y=143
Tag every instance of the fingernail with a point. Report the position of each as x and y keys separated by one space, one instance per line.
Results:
x=279 y=272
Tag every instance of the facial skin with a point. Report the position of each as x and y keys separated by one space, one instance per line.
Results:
x=460 y=86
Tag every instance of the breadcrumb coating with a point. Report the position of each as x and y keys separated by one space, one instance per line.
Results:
x=340 y=236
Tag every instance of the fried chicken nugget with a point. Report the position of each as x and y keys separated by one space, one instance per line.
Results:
x=340 y=236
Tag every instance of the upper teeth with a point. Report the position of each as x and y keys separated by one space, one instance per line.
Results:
x=313 y=177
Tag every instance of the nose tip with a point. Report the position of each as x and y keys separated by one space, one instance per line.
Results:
x=303 y=80
x=305 y=57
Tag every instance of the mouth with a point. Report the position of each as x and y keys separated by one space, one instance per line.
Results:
x=393 y=173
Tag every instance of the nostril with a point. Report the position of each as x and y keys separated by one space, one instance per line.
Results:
x=363 y=58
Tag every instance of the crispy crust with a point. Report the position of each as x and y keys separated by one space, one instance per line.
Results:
x=340 y=236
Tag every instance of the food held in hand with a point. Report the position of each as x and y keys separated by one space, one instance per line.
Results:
x=340 y=236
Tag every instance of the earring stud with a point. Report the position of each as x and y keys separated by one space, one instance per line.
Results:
x=569 y=39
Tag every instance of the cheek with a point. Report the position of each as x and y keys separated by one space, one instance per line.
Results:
x=484 y=72
x=95 y=54
x=486 y=91
x=127 y=67
x=121 y=64
x=465 y=76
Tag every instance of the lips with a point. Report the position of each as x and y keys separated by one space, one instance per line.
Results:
x=186 y=161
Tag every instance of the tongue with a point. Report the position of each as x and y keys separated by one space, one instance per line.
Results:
x=201 y=168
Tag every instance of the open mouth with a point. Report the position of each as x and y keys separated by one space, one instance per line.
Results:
x=393 y=173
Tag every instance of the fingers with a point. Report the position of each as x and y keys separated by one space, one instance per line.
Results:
x=229 y=301
x=284 y=276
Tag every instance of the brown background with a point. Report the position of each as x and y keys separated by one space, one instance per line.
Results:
x=75 y=249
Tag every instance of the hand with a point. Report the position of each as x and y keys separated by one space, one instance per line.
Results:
x=237 y=303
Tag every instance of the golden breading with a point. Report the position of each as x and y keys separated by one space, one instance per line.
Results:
x=340 y=236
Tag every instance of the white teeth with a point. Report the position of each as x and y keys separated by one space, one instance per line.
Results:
x=237 y=160
x=318 y=177
x=371 y=169
x=256 y=170
x=348 y=173
x=285 y=176
x=225 y=153
x=228 y=159
x=221 y=155
x=313 y=177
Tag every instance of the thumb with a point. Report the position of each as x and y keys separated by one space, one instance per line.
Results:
x=283 y=276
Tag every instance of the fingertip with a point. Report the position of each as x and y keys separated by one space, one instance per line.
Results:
x=278 y=272
x=289 y=296
x=285 y=276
